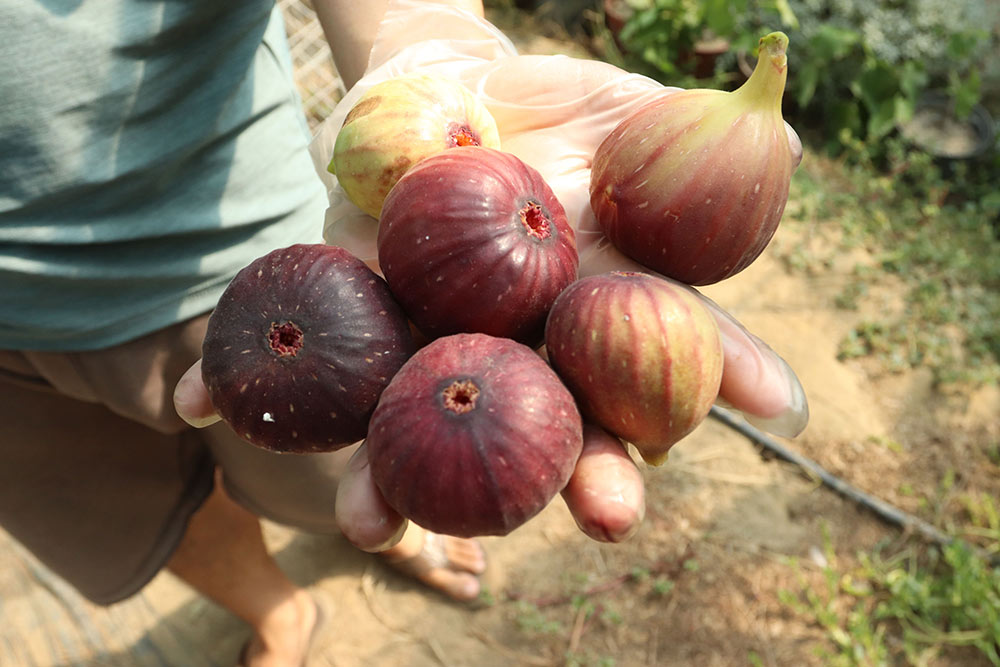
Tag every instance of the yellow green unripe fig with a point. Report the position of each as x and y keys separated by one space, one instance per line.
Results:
x=641 y=355
x=399 y=122
x=693 y=184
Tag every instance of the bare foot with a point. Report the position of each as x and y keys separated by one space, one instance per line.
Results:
x=286 y=634
x=451 y=565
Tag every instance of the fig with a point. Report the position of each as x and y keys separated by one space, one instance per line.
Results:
x=300 y=346
x=642 y=356
x=693 y=184
x=399 y=122
x=473 y=240
x=473 y=436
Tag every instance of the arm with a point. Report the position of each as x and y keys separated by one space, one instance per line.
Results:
x=350 y=27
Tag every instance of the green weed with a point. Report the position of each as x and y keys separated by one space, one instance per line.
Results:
x=910 y=605
x=933 y=230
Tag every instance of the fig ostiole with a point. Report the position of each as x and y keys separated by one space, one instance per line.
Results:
x=300 y=346
x=642 y=356
x=399 y=122
x=474 y=436
x=473 y=240
x=693 y=184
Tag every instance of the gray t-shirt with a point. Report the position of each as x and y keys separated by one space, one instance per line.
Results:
x=149 y=149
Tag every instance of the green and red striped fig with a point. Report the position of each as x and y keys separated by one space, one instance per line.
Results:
x=399 y=122
x=693 y=184
x=642 y=356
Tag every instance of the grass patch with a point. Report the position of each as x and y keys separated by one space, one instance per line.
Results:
x=910 y=606
x=933 y=229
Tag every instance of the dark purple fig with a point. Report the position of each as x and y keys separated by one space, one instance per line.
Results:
x=472 y=240
x=300 y=347
x=474 y=436
x=693 y=184
x=642 y=355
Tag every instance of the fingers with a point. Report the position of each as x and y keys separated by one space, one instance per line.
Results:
x=362 y=514
x=757 y=382
x=795 y=144
x=605 y=495
x=191 y=399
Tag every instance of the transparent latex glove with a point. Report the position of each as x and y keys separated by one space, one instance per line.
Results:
x=552 y=112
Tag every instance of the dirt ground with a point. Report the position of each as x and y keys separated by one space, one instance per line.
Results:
x=698 y=585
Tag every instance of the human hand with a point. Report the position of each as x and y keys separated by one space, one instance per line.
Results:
x=552 y=112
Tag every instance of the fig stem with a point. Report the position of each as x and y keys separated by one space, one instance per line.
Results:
x=767 y=83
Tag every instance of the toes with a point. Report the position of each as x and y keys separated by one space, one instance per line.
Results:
x=451 y=565
x=461 y=586
x=465 y=554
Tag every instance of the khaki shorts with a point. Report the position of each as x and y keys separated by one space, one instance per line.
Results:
x=99 y=476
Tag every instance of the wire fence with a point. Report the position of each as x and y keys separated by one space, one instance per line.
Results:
x=315 y=75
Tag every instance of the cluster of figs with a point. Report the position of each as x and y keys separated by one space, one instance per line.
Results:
x=471 y=365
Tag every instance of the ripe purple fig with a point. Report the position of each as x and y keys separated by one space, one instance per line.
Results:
x=693 y=184
x=398 y=123
x=474 y=436
x=300 y=347
x=642 y=356
x=474 y=240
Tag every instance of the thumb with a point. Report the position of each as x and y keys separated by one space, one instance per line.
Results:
x=191 y=400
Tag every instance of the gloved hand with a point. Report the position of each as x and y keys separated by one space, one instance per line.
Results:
x=552 y=112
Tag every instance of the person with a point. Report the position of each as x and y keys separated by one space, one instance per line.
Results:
x=148 y=151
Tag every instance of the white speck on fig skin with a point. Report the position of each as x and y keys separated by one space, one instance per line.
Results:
x=267 y=417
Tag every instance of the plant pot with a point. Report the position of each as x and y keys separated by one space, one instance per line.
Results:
x=700 y=60
x=936 y=129
x=616 y=15
x=706 y=52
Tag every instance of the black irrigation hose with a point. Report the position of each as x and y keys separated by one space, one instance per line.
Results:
x=882 y=509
